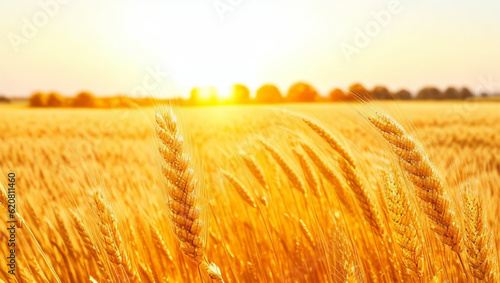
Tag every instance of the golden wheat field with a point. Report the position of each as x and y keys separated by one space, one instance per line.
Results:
x=295 y=193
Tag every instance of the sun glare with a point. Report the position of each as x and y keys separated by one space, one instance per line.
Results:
x=205 y=55
x=206 y=93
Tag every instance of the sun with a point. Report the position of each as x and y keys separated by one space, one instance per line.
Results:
x=211 y=55
x=210 y=77
x=207 y=93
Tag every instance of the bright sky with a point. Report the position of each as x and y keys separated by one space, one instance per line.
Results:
x=111 y=47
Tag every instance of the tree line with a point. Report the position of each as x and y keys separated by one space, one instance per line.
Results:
x=86 y=99
x=304 y=92
x=240 y=94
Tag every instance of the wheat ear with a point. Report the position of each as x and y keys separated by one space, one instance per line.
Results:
x=402 y=218
x=309 y=173
x=147 y=273
x=213 y=272
x=240 y=189
x=329 y=174
x=184 y=214
x=306 y=232
x=26 y=275
x=334 y=144
x=108 y=226
x=291 y=174
x=478 y=242
x=63 y=231
x=182 y=182
x=160 y=244
x=255 y=168
x=345 y=267
x=368 y=206
x=87 y=241
x=431 y=193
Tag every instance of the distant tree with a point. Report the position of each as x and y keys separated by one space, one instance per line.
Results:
x=381 y=92
x=358 y=91
x=4 y=99
x=321 y=98
x=450 y=93
x=85 y=99
x=55 y=100
x=301 y=92
x=268 y=93
x=210 y=95
x=106 y=102
x=37 y=99
x=484 y=94
x=145 y=101
x=122 y=101
x=337 y=95
x=239 y=94
x=428 y=93
x=194 y=96
x=465 y=93
x=403 y=95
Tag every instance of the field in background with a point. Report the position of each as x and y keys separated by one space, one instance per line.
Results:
x=62 y=156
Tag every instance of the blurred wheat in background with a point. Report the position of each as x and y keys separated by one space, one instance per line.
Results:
x=255 y=194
